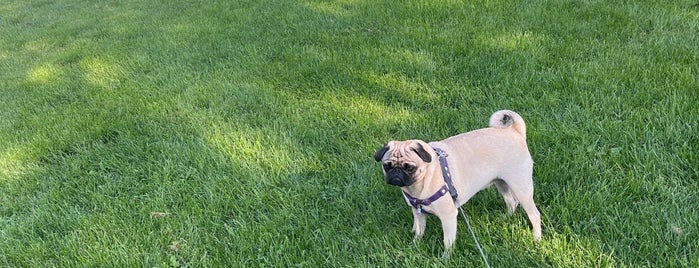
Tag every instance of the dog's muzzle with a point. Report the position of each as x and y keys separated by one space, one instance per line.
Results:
x=398 y=177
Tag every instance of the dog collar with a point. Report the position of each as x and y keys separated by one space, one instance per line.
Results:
x=447 y=187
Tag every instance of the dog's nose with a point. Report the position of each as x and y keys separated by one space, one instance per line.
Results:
x=399 y=181
x=395 y=181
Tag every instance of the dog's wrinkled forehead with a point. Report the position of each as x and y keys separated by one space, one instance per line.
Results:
x=401 y=151
x=407 y=152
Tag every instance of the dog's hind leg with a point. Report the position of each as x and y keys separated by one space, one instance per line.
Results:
x=525 y=194
x=507 y=194
x=534 y=216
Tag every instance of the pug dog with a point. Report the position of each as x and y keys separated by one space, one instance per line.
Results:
x=497 y=155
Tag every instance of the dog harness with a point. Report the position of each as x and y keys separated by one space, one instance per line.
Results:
x=447 y=187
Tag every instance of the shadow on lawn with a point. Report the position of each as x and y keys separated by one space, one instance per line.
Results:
x=253 y=126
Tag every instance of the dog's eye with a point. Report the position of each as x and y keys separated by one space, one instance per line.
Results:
x=387 y=166
x=409 y=167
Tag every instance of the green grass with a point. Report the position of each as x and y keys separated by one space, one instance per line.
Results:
x=251 y=126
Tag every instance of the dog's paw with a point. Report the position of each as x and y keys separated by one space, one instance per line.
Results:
x=417 y=239
x=446 y=255
x=418 y=231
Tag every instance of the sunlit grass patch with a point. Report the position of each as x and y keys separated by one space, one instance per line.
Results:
x=44 y=74
x=241 y=133
x=102 y=72
x=13 y=163
x=264 y=151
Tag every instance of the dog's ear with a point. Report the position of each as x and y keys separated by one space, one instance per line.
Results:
x=424 y=155
x=379 y=154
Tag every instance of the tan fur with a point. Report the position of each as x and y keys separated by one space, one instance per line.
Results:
x=477 y=159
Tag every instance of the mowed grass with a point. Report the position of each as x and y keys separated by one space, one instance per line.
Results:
x=242 y=133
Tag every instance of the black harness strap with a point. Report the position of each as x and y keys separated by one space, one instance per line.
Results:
x=445 y=172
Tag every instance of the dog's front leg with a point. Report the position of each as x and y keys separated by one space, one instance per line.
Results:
x=419 y=223
x=449 y=228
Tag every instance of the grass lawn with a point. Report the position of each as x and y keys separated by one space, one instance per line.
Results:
x=242 y=133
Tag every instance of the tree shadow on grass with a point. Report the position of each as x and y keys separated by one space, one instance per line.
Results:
x=251 y=127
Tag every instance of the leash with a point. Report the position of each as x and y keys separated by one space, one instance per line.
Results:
x=447 y=178
x=478 y=245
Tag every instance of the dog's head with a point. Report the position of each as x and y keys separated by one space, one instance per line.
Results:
x=404 y=162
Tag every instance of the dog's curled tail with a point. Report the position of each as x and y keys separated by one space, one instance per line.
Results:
x=507 y=118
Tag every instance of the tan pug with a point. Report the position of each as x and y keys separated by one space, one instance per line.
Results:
x=477 y=159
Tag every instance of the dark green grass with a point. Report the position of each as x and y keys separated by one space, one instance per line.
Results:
x=232 y=133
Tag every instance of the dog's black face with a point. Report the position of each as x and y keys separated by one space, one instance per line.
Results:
x=400 y=168
x=399 y=175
